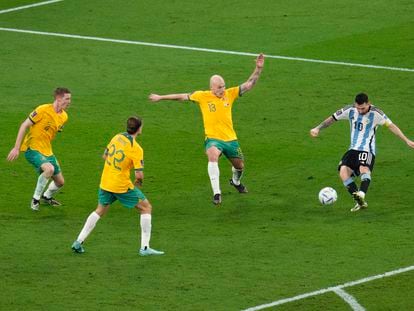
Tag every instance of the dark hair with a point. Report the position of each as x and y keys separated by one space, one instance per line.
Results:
x=133 y=125
x=361 y=98
x=60 y=91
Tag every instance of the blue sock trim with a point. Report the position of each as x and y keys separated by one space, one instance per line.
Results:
x=366 y=176
x=349 y=181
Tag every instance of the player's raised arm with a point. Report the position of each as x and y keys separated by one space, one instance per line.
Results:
x=248 y=85
x=396 y=130
x=326 y=123
x=14 y=153
x=156 y=97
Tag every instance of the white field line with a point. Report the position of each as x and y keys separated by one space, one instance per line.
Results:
x=349 y=299
x=330 y=289
x=202 y=49
x=29 y=6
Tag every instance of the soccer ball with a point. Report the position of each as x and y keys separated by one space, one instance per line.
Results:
x=327 y=196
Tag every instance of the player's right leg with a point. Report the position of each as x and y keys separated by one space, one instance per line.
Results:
x=105 y=199
x=42 y=180
x=345 y=173
x=213 y=155
x=45 y=169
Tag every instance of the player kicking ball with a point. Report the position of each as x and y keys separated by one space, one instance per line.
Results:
x=364 y=119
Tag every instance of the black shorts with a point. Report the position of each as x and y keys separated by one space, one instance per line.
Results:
x=354 y=159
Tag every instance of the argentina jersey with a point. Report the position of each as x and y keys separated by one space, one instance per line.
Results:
x=363 y=126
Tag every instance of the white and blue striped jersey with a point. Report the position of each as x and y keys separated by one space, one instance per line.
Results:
x=363 y=126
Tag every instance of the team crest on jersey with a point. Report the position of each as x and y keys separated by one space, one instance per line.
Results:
x=226 y=104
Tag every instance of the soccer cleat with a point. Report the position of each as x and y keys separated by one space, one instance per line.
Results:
x=34 y=205
x=147 y=251
x=77 y=247
x=240 y=187
x=217 y=199
x=51 y=201
x=360 y=201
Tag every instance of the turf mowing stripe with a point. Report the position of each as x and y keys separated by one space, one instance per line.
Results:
x=330 y=289
x=349 y=299
x=28 y=6
x=203 y=49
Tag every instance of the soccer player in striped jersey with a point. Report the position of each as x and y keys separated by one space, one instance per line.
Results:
x=122 y=155
x=220 y=138
x=42 y=125
x=364 y=119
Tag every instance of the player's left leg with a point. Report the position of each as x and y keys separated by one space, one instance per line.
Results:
x=237 y=173
x=55 y=185
x=145 y=209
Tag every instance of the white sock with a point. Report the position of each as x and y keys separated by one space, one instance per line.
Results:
x=214 y=174
x=237 y=175
x=52 y=189
x=41 y=184
x=145 y=230
x=88 y=226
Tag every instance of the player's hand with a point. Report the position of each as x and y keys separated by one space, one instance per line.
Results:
x=13 y=154
x=154 y=97
x=314 y=132
x=410 y=143
x=260 y=61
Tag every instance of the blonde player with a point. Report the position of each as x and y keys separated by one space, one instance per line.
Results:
x=220 y=138
x=43 y=124
x=122 y=155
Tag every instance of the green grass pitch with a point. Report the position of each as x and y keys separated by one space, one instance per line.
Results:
x=274 y=243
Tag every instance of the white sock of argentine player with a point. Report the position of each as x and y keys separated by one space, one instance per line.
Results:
x=237 y=175
x=88 y=226
x=214 y=174
x=52 y=189
x=145 y=230
x=41 y=184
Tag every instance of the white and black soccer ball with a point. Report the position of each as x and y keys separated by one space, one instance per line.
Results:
x=327 y=196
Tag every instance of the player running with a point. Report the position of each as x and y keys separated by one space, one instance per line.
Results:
x=122 y=155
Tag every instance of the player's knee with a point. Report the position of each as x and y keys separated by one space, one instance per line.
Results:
x=60 y=182
x=145 y=207
x=48 y=170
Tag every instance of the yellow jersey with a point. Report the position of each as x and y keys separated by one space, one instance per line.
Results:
x=123 y=154
x=216 y=111
x=46 y=123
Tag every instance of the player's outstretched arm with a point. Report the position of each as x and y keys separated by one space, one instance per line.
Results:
x=315 y=131
x=14 y=153
x=396 y=130
x=156 y=97
x=248 y=85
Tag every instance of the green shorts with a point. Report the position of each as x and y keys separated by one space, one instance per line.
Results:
x=231 y=149
x=128 y=199
x=35 y=158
